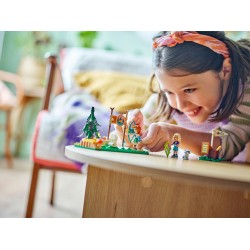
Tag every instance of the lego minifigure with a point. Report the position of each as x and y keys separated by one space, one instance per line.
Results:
x=176 y=142
x=137 y=136
x=113 y=140
x=186 y=154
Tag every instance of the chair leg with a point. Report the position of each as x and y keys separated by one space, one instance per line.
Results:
x=8 y=140
x=52 y=195
x=32 y=193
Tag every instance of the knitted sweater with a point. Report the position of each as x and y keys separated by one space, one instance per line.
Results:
x=237 y=126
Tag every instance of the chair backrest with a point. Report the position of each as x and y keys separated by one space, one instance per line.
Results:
x=8 y=99
x=53 y=80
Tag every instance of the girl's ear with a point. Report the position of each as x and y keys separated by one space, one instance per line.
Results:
x=226 y=69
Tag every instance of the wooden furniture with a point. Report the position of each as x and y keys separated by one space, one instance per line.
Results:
x=47 y=164
x=130 y=185
x=8 y=105
x=74 y=60
x=29 y=95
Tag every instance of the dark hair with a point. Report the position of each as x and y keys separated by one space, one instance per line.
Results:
x=194 y=58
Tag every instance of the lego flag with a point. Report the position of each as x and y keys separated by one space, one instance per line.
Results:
x=120 y=120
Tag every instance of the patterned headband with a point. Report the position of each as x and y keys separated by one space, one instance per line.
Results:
x=178 y=37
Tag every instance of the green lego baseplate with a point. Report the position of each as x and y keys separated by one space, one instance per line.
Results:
x=114 y=149
x=206 y=158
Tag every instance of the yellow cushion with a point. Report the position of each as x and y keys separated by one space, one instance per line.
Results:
x=113 y=89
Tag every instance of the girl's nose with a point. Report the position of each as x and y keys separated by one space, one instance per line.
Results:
x=181 y=103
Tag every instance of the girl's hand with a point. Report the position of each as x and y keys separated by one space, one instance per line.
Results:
x=136 y=116
x=155 y=136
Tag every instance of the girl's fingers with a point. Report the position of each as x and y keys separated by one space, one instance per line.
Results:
x=156 y=145
x=136 y=116
x=159 y=146
x=140 y=145
x=154 y=138
x=150 y=135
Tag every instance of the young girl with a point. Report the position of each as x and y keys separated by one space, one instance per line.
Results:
x=204 y=84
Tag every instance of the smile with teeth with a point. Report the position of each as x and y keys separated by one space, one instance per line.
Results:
x=193 y=112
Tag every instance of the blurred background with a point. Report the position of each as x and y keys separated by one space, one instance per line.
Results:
x=22 y=53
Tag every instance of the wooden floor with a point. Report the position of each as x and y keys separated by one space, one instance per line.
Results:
x=14 y=186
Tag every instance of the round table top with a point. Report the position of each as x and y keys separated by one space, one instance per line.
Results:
x=158 y=163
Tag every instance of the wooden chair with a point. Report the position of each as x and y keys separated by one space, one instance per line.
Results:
x=9 y=101
x=51 y=71
x=73 y=60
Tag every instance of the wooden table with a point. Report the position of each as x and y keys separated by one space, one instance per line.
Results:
x=131 y=185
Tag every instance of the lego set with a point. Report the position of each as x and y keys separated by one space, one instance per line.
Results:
x=93 y=139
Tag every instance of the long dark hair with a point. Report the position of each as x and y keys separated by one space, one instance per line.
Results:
x=194 y=58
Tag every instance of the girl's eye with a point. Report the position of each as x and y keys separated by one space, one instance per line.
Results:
x=189 y=91
x=168 y=92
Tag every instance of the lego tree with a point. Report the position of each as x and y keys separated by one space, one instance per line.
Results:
x=90 y=127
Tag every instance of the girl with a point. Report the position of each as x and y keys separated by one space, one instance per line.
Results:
x=204 y=84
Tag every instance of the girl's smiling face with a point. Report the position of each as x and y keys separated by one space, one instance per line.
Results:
x=196 y=95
